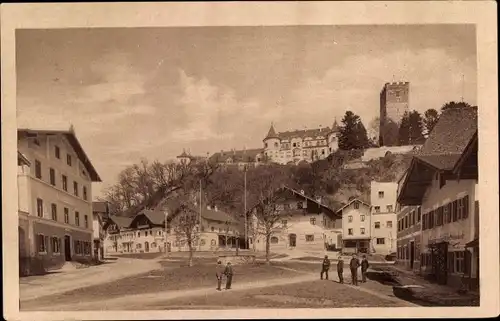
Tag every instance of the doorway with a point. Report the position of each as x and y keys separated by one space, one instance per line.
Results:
x=146 y=247
x=412 y=254
x=67 y=247
x=293 y=240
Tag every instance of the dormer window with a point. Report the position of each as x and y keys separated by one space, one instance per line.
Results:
x=356 y=205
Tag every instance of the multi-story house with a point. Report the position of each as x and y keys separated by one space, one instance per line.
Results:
x=442 y=179
x=57 y=196
x=383 y=219
x=146 y=233
x=306 y=224
x=24 y=200
x=100 y=215
x=356 y=222
x=409 y=236
x=239 y=158
x=116 y=240
x=292 y=147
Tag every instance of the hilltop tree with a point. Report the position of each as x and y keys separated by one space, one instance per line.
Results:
x=453 y=104
x=389 y=133
x=404 y=130
x=352 y=132
x=416 y=123
x=430 y=119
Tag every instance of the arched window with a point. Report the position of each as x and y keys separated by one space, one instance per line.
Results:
x=274 y=240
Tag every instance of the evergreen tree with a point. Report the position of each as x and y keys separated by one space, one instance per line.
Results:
x=352 y=132
x=416 y=128
x=389 y=133
x=404 y=130
x=431 y=117
x=453 y=104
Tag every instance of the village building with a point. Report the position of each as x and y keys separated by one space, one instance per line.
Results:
x=306 y=224
x=383 y=230
x=409 y=237
x=100 y=215
x=55 y=196
x=146 y=232
x=117 y=234
x=293 y=147
x=239 y=158
x=356 y=223
x=442 y=180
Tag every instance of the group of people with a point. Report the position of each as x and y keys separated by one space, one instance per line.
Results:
x=354 y=265
x=224 y=272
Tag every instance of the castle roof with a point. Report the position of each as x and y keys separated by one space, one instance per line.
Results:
x=271 y=133
x=184 y=154
x=245 y=155
x=335 y=126
x=303 y=133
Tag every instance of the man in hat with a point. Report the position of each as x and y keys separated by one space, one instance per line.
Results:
x=340 y=269
x=229 y=275
x=354 y=265
x=219 y=273
x=325 y=267
x=364 y=268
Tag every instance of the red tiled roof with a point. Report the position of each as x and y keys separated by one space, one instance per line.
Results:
x=313 y=133
x=452 y=132
x=245 y=155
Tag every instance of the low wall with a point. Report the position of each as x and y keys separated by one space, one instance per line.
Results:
x=237 y=259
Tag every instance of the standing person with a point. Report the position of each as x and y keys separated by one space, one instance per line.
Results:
x=364 y=268
x=229 y=275
x=340 y=269
x=325 y=267
x=354 y=265
x=219 y=273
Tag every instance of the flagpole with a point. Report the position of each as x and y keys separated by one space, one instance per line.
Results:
x=166 y=234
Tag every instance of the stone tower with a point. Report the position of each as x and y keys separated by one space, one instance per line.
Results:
x=394 y=102
x=271 y=144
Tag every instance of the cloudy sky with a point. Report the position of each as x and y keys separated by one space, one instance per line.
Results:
x=150 y=92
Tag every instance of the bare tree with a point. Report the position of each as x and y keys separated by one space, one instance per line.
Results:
x=267 y=185
x=186 y=226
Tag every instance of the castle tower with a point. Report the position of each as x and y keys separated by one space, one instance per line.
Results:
x=333 y=137
x=394 y=102
x=271 y=144
x=184 y=158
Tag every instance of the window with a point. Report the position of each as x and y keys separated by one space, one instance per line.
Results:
x=86 y=219
x=349 y=231
x=362 y=230
x=68 y=159
x=36 y=141
x=38 y=169
x=389 y=223
x=39 y=207
x=77 y=218
x=42 y=242
x=377 y=209
x=55 y=244
x=274 y=240
x=75 y=188
x=85 y=192
x=446 y=213
x=66 y=215
x=54 y=211
x=52 y=174
x=380 y=194
x=399 y=225
x=65 y=182
x=380 y=240
x=362 y=218
x=58 y=152
x=465 y=202
x=284 y=223
x=377 y=224
x=439 y=218
x=265 y=145
x=389 y=208
x=431 y=219
x=349 y=218
x=356 y=205
x=212 y=229
x=309 y=238
x=146 y=233
x=419 y=214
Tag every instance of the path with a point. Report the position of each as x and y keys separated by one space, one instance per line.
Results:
x=38 y=286
x=136 y=301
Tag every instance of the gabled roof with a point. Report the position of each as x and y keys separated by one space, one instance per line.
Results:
x=21 y=159
x=71 y=137
x=217 y=215
x=352 y=201
x=154 y=216
x=469 y=150
x=184 y=154
x=443 y=162
x=245 y=155
x=121 y=221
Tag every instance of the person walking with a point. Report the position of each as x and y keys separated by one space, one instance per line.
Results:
x=325 y=267
x=364 y=267
x=354 y=265
x=340 y=269
x=219 y=273
x=229 y=275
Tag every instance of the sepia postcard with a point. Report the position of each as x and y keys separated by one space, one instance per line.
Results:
x=251 y=160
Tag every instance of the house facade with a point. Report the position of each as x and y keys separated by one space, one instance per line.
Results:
x=306 y=224
x=442 y=180
x=55 y=197
x=383 y=231
x=356 y=223
x=118 y=233
x=409 y=237
x=100 y=214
